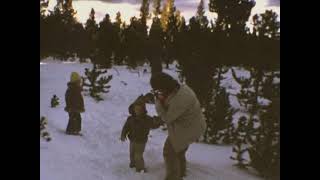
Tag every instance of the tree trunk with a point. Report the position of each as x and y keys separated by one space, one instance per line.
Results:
x=156 y=66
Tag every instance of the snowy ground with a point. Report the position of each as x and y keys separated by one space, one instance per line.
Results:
x=99 y=154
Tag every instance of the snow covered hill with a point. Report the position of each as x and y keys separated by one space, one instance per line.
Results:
x=99 y=154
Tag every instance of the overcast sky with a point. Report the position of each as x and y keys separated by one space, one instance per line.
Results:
x=130 y=8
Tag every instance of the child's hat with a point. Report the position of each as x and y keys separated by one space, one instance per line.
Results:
x=75 y=77
x=138 y=102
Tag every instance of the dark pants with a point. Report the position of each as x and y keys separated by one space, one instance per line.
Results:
x=136 y=155
x=74 y=124
x=175 y=162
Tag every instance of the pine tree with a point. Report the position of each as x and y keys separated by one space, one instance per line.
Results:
x=200 y=10
x=135 y=36
x=155 y=45
x=95 y=83
x=264 y=151
x=144 y=11
x=200 y=15
x=156 y=6
x=240 y=141
x=43 y=7
x=195 y=67
x=91 y=28
x=118 y=40
x=54 y=101
x=43 y=29
x=219 y=116
x=81 y=42
x=181 y=41
x=105 y=42
x=247 y=97
x=265 y=40
x=167 y=11
x=266 y=25
x=53 y=33
x=262 y=129
x=43 y=129
x=170 y=19
x=69 y=29
x=91 y=25
x=232 y=15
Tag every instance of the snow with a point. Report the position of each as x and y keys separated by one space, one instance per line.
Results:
x=99 y=154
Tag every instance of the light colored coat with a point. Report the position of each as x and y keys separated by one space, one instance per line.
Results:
x=183 y=116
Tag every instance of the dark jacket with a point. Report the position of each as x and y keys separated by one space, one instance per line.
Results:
x=137 y=128
x=74 y=99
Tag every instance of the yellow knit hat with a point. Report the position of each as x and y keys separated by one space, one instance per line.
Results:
x=75 y=77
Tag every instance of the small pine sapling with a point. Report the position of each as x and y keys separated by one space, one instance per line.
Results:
x=54 y=101
x=96 y=83
x=43 y=129
x=240 y=141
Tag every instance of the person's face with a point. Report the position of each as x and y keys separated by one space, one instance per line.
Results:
x=138 y=110
x=158 y=94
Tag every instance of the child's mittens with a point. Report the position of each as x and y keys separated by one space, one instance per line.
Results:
x=158 y=120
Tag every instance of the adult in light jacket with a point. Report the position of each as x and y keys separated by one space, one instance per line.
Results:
x=180 y=109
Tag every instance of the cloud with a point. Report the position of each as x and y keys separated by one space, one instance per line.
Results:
x=116 y=1
x=274 y=3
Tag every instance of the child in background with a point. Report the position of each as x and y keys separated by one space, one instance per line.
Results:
x=74 y=104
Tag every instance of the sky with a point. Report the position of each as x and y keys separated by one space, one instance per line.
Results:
x=130 y=8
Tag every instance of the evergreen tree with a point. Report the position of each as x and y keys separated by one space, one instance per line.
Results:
x=43 y=7
x=142 y=28
x=171 y=36
x=91 y=28
x=200 y=10
x=156 y=6
x=144 y=11
x=43 y=129
x=54 y=101
x=53 y=33
x=57 y=31
x=69 y=29
x=219 y=116
x=240 y=141
x=167 y=11
x=96 y=83
x=262 y=129
x=266 y=25
x=264 y=151
x=135 y=36
x=232 y=15
x=105 y=42
x=265 y=40
x=118 y=40
x=155 y=45
x=81 y=42
x=195 y=67
x=43 y=29
x=118 y=19
x=170 y=19
x=200 y=14
x=181 y=48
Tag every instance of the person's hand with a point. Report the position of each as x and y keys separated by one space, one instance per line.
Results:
x=158 y=120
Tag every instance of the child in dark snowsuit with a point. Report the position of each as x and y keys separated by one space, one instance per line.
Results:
x=137 y=129
x=74 y=104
